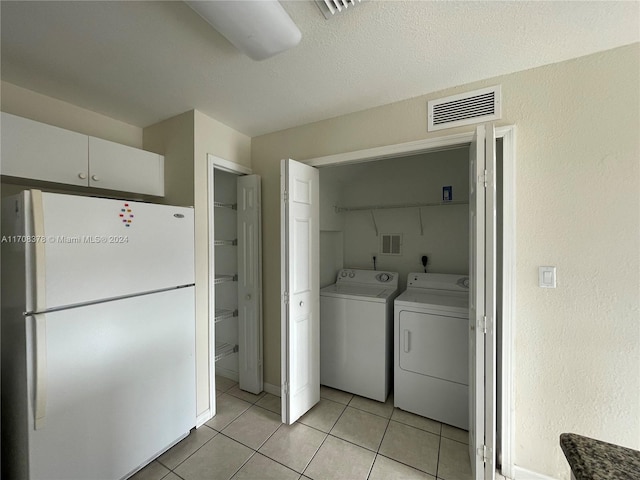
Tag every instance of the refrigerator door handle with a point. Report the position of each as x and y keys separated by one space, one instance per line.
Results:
x=40 y=370
x=39 y=252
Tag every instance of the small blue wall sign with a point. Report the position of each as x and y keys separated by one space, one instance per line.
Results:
x=447 y=193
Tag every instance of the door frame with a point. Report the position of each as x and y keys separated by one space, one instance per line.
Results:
x=214 y=163
x=508 y=207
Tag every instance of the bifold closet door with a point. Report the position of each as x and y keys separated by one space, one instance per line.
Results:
x=249 y=284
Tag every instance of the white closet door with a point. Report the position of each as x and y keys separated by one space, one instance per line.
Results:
x=300 y=317
x=249 y=284
x=476 y=303
x=482 y=218
x=490 y=303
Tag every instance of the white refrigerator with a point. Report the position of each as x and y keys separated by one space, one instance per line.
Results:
x=98 y=335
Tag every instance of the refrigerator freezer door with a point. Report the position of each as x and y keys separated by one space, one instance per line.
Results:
x=96 y=248
x=120 y=385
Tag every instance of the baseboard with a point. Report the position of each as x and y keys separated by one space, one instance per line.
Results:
x=272 y=389
x=226 y=373
x=203 y=418
x=520 y=473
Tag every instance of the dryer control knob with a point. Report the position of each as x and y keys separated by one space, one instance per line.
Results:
x=352 y=274
x=384 y=277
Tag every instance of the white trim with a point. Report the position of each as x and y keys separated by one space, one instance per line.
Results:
x=524 y=474
x=272 y=389
x=203 y=418
x=507 y=413
x=227 y=165
x=508 y=134
x=214 y=163
x=210 y=292
x=393 y=151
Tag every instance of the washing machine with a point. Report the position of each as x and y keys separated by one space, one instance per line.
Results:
x=356 y=332
x=431 y=348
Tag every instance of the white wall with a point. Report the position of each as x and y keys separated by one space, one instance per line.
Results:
x=331 y=227
x=444 y=237
x=41 y=108
x=577 y=347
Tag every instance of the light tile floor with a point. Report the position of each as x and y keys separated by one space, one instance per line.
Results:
x=343 y=437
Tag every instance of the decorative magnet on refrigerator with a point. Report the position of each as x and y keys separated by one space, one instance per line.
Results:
x=126 y=215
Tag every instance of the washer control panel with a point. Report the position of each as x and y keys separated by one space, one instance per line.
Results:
x=384 y=277
x=369 y=277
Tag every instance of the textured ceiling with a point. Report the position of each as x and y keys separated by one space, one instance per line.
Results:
x=142 y=62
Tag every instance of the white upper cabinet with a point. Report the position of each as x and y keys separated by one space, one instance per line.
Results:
x=119 y=167
x=39 y=151
x=42 y=152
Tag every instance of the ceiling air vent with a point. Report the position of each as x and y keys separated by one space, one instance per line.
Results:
x=330 y=7
x=464 y=109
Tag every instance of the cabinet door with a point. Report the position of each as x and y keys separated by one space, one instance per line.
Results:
x=124 y=168
x=42 y=152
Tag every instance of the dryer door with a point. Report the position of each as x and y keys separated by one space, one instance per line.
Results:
x=434 y=345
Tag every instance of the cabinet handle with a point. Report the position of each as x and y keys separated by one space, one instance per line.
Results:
x=82 y=175
x=95 y=178
x=248 y=297
x=302 y=304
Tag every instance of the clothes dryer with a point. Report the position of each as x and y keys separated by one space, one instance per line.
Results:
x=431 y=348
x=356 y=332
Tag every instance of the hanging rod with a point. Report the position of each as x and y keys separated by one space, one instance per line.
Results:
x=401 y=205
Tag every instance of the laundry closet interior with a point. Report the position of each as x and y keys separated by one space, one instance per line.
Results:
x=389 y=215
x=440 y=230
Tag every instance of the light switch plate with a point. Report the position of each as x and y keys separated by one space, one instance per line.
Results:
x=547 y=277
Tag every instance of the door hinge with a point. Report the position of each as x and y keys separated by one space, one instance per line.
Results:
x=285 y=298
x=484 y=324
x=483 y=178
x=285 y=388
x=285 y=196
x=486 y=454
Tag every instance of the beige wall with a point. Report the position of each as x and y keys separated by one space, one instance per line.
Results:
x=173 y=138
x=185 y=140
x=577 y=347
x=29 y=104
x=217 y=139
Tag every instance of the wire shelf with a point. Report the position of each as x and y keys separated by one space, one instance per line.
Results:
x=224 y=279
x=219 y=243
x=232 y=206
x=224 y=350
x=223 y=314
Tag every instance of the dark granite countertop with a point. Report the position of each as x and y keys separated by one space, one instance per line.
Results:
x=591 y=459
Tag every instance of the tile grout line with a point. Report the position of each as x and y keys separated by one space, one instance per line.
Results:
x=216 y=433
x=379 y=446
x=327 y=436
x=277 y=461
x=439 y=449
x=405 y=464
